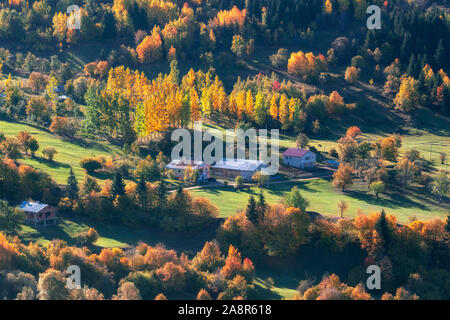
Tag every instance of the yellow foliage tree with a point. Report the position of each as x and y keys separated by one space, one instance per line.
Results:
x=328 y=7
x=274 y=110
x=408 y=96
x=284 y=111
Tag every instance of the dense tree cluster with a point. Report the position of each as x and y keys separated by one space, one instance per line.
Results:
x=138 y=204
x=20 y=181
x=30 y=272
x=111 y=97
x=407 y=271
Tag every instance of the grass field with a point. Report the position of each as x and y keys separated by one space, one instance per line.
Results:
x=323 y=198
x=280 y=288
x=69 y=153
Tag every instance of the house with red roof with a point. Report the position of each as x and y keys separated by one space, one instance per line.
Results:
x=299 y=158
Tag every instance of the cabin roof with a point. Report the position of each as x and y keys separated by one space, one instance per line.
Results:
x=35 y=207
x=239 y=164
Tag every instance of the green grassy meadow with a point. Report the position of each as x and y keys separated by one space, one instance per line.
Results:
x=69 y=153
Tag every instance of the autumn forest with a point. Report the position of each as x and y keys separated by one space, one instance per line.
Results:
x=92 y=91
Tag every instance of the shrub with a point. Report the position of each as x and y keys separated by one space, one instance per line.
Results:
x=280 y=59
x=49 y=153
x=412 y=155
x=62 y=126
x=37 y=81
x=90 y=164
x=351 y=74
x=239 y=182
x=205 y=208
x=170 y=175
x=11 y=148
x=87 y=238
x=358 y=62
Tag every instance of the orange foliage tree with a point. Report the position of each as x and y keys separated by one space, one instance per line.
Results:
x=150 y=49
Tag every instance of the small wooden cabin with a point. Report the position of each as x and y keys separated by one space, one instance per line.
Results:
x=38 y=213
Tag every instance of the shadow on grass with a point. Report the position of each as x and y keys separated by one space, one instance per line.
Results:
x=280 y=189
x=87 y=144
x=53 y=232
x=219 y=190
x=395 y=201
x=434 y=123
x=101 y=175
x=51 y=163
x=263 y=293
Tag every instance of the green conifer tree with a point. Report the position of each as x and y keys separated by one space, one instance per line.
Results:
x=72 y=186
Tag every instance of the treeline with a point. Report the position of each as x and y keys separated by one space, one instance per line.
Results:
x=20 y=181
x=168 y=102
x=31 y=272
x=138 y=204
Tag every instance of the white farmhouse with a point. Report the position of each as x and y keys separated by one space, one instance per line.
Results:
x=299 y=158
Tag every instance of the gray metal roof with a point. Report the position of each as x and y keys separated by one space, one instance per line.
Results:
x=29 y=206
x=239 y=164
